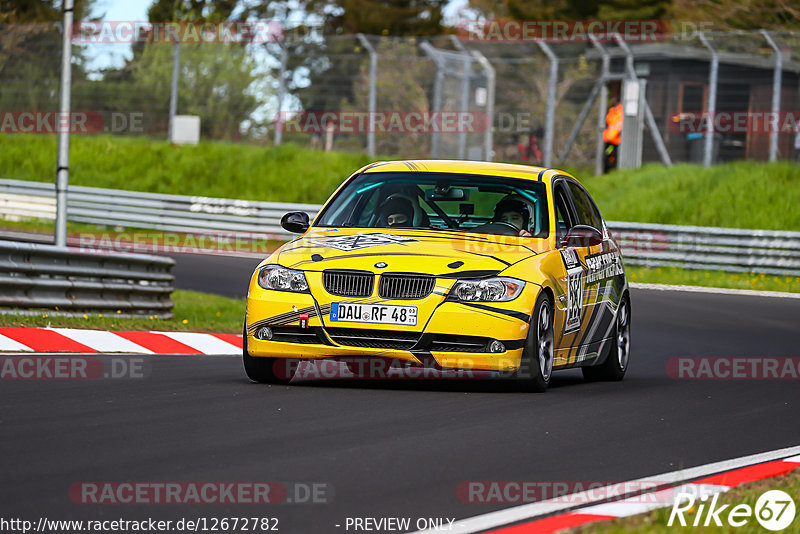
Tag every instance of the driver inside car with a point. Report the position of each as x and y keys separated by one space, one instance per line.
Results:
x=514 y=212
x=396 y=212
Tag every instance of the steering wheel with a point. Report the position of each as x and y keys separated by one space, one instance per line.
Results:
x=498 y=227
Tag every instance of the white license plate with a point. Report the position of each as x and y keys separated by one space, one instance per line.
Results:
x=374 y=313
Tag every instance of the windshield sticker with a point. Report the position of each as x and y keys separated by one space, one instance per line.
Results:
x=347 y=243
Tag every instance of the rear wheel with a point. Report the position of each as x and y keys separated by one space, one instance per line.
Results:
x=266 y=370
x=616 y=364
x=536 y=366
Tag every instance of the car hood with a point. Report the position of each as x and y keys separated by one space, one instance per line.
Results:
x=436 y=252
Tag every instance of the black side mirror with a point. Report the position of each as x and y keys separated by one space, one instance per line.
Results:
x=581 y=235
x=295 y=221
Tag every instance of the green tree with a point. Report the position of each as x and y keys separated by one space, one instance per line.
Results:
x=216 y=79
x=30 y=53
x=572 y=9
x=739 y=14
x=324 y=57
x=398 y=89
x=214 y=84
x=191 y=10
x=373 y=17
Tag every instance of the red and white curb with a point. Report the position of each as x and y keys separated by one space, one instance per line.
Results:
x=554 y=515
x=73 y=340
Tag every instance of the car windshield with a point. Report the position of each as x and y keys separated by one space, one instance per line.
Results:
x=473 y=203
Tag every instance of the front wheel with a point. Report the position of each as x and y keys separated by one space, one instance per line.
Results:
x=616 y=364
x=536 y=366
x=266 y=370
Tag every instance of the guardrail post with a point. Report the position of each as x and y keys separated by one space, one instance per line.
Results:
x=466 y=73
x=436 y=137
x=550 y=105
x=173 y=92
x=281 y=92
x=601 y=114
x=776 y=94
x=373 y=75
x=490 y=81
x=62 y=166
x=711 y=102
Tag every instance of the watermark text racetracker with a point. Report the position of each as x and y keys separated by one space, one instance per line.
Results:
x=133 y=31
x=74 y=122
x=562 y=31
x=735 y=121
x=509 y=31
x=564 y=491
x=70 y=367
x=207 y=492
x=733 y=368
x=383 y=121
x=172 y=243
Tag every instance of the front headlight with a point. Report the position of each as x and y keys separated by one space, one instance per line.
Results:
x=489 y=290
x=282 y=279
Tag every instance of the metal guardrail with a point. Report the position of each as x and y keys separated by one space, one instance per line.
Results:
x=711 y=248
x=644 y=244
x=46 y=276
x=169 y=213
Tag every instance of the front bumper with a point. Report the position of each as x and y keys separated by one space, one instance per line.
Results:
x=449 y=334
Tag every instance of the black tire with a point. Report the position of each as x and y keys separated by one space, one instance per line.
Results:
x=616 y=363
x=264 y=369
x=536 y=366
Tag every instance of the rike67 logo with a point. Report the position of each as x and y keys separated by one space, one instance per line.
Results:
x=774 y=510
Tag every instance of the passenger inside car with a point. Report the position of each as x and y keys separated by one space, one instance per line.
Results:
x=396 y=212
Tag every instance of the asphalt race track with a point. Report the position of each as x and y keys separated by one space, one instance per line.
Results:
x=224 y=275
x=401 y=448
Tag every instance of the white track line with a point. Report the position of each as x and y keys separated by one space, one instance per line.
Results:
x=536 y=509
x=102 y=341
x=717 y=290
x=659 y=499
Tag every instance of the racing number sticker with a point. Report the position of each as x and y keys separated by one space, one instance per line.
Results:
x=572 y=316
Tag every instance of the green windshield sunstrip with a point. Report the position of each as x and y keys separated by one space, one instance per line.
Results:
x=527 y=195
x=368 y=187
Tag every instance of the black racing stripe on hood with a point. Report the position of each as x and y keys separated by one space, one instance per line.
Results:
x=489 y=256
x=487 y=273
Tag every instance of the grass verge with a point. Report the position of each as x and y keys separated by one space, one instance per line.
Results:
x=656 y=521
x=193 y=311
x=286 y=173
x=741 y=194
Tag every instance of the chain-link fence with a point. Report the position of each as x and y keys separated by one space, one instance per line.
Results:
x=710 y=97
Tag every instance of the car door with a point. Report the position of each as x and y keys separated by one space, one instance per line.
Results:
x=601 y=264
x=571 y=303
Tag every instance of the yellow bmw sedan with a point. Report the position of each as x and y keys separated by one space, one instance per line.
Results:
x=449 y=265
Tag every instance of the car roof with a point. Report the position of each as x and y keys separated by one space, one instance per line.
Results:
x=511 y=170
